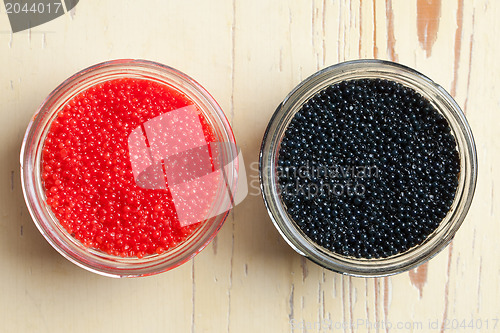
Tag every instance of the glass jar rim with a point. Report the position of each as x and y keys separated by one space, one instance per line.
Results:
x=89 y=259
x=359 y=69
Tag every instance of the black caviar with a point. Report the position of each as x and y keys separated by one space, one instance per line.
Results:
x=368 y=168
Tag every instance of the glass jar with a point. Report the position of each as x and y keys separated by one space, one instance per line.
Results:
x=368 y=69
x=34 y=193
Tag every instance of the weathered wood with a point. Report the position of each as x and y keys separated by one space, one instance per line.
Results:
x=249 y=55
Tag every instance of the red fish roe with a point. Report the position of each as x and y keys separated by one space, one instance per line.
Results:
x=88 y=176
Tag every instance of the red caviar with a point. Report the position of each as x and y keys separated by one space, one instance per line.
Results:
x=88 y=176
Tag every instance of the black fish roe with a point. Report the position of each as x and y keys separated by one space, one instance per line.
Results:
x=368 y=168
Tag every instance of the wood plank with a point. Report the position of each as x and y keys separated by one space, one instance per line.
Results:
x=249 y=55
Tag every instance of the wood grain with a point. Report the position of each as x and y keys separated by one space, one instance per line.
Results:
x=428 y=15
x=249 y=55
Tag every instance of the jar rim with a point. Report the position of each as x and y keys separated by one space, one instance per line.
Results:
x=87 y=258
x=359 y=69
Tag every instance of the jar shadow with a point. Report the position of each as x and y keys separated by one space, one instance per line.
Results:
x=22 y=244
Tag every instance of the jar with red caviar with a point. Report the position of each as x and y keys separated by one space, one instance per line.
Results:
x=128 y=168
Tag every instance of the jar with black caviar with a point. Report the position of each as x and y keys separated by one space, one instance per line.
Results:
x=368 y=168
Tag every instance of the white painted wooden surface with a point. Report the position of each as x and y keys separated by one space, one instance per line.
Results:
x=249 y=55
